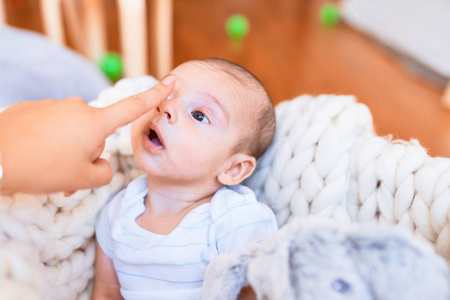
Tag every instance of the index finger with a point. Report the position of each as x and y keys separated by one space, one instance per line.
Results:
x=129 y=109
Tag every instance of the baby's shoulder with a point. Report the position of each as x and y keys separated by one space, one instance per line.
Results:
x=128 y=196
x=236 y=201
x=239 y=219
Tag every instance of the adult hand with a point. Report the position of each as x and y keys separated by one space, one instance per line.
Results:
x=49 y=146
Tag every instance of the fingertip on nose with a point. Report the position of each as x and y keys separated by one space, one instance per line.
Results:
x=168 y=80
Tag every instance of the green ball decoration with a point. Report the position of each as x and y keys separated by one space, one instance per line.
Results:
x=111 y=64
x=329 y=15
x=237 y=27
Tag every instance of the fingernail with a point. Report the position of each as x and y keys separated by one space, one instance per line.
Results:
x=168 y=80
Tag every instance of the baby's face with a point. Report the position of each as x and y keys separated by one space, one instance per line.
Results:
x=190 y=137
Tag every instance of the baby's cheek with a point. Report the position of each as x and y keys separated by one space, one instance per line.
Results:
x=136 y=132
x=133 y=138
x=142 y=162
x=134 y=127
x=194 y=155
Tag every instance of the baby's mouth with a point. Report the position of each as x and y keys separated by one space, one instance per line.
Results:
x=154 y=139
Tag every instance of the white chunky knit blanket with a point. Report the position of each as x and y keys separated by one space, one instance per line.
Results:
x=325 y=161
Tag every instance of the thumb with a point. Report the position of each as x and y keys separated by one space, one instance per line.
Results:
x=129 y=109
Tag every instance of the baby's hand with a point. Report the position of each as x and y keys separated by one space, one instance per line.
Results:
x=49 y=146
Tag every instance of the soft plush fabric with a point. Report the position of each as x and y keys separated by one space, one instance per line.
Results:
x=172 y=266
x=314 y=259
x=34 y=68
x=325 y=160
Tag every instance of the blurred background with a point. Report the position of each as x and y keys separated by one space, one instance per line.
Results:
x=391 y=55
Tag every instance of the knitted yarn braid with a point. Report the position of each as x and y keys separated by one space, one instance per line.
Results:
x=325 y=160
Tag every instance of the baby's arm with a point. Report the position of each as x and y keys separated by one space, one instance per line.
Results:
x=106 y=283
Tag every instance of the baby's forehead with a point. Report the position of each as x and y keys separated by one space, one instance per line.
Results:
x=219 y=81
x=210 y=69
x=203 y=75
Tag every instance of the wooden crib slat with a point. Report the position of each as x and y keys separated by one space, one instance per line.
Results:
x=164 y=34
x=95 y=28
x=2 y=12
x=74 y=29
x=133 y=33
x=52 y=20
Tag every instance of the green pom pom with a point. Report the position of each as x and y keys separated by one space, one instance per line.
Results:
x=111 y=64
x=237 y=27
x=329 y=15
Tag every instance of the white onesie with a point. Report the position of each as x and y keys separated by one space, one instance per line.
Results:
x=155 y=266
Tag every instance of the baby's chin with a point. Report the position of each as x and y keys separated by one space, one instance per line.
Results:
x=149 y=166
x=141 y=162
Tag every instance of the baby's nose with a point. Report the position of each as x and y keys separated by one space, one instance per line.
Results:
x=168 y=110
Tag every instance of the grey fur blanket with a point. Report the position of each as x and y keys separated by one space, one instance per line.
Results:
x=320 y=260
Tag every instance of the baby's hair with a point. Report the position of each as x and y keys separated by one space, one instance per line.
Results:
x=257 y=139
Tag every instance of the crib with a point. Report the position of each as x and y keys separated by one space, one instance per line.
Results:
x=145 y=30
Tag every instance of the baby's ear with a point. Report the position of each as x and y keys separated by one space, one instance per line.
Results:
x=240 y=167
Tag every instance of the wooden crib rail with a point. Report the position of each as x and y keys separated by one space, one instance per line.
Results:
x=84 y=21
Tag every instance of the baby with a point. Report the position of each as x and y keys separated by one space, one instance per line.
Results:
x=156 y=237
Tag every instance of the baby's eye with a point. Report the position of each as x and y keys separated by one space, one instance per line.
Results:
x=199 y=116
